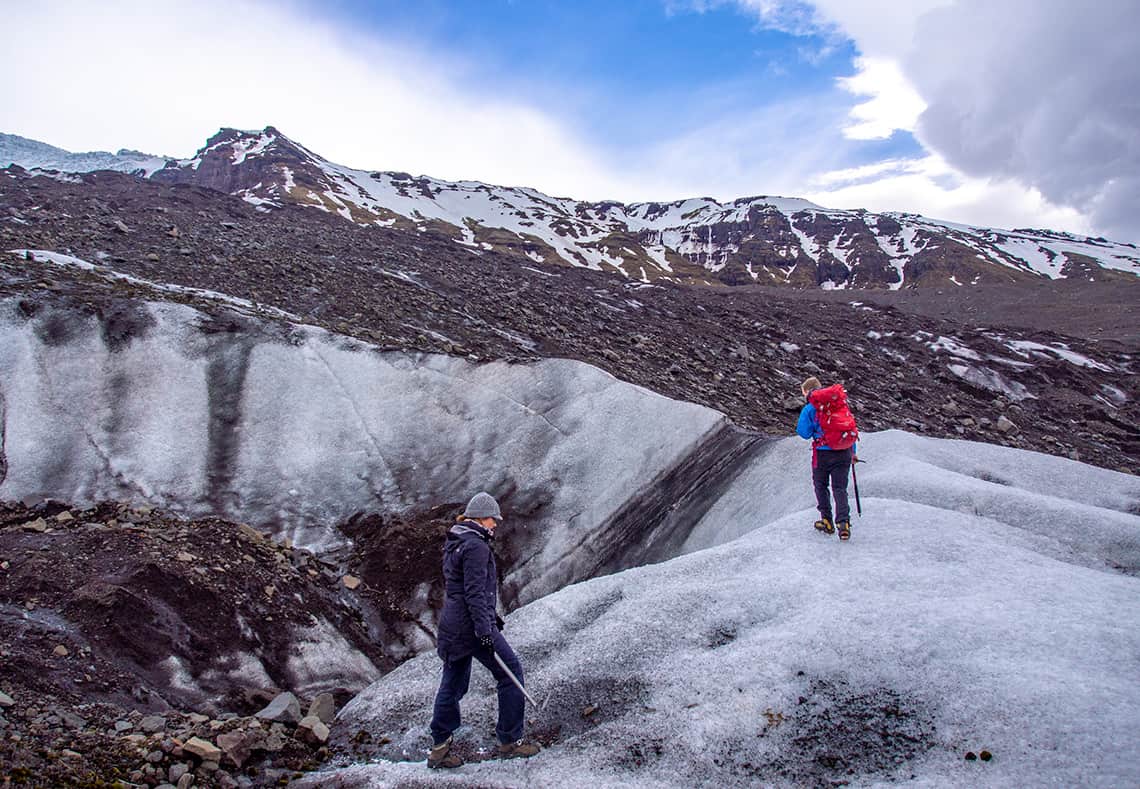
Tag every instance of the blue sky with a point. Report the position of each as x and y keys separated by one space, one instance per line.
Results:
x=1011 y=114
x=631 y=71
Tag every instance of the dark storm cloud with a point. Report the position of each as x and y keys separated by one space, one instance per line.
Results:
x=1046 y=92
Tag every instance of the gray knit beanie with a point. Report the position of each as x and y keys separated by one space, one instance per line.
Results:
x=483 y=505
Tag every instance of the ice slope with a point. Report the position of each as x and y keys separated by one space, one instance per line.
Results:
x=980 y=604
x=293 y=429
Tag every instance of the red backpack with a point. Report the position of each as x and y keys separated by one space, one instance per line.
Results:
x=835 y=418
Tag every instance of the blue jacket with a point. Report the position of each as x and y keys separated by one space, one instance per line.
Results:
x=471 y=586
x=808 y=427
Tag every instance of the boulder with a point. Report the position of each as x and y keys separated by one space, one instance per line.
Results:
x=323 y=707
x=152 y=724
x=1004 y=425
x=203 y=749
x=313 y=729
x=285 y=708
x=237 y=745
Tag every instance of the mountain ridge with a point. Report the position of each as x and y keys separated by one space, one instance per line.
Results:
x=763 y=240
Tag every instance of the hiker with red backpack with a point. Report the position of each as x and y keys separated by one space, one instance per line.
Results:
x=826 y=420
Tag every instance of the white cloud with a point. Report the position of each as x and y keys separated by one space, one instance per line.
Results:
x=931 y=187
x=1039 y=93
x=162 y=75
x=894 y=104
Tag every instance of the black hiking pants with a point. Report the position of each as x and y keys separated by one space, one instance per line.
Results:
x=831 y=467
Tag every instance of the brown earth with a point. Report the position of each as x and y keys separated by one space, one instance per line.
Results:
x=94 y=601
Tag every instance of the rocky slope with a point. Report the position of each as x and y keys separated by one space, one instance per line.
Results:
x=739 y=351
x=755 y=240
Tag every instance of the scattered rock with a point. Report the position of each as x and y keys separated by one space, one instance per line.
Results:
x=985 y=756
x=60 y=651
x=152 y=724
x=323 y=707
x=350 y=582
x=121 y=226
x=203 y=749
x=237 y=746
x=313 y=729
x=38 y=525
x=6 y=700
x=183 y=556
x=284 y=708
x=123 y=726
x=1005 y=426
x=64 y=517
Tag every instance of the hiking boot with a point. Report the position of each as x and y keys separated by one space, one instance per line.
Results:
x=824 y=525
x=519 y=749
x=844 y=530
x=441 y=756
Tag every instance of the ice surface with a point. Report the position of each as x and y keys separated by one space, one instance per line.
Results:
x=988 y=599
x=293 y=429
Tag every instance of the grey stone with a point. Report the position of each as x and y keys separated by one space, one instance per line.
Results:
x=284 y=708
x=176 y=771
x=186 y=781
x=1005 y=426
x=6 y=700
x=152 y=724
x=323 y=707
x=123 y=726
x=313 y=729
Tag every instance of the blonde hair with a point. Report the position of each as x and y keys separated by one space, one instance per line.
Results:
x=810 y=384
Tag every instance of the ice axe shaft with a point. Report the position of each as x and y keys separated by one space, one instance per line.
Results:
x=514 y=679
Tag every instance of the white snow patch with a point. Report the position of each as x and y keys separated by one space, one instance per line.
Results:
x=1026 y=348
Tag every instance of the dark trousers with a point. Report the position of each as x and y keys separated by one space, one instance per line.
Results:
x=445 y=718
x=831 y=466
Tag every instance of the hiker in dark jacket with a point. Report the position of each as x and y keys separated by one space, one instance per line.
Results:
x=470 y=628
x=829 y=466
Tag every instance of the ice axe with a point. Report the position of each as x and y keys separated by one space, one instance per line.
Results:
x=855 y=481
x=518 y=684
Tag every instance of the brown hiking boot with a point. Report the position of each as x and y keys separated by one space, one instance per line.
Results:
x=441 y=756
x=520 y=749
x=844 y=530
x=824 y=525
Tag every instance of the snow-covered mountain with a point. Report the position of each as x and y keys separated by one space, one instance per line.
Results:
x=763 y=240
x=31 y=154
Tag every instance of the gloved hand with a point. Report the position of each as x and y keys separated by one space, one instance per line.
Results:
x=487 y=642
x=499 y=622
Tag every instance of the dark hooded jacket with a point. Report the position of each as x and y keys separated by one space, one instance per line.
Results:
x=471 y=585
